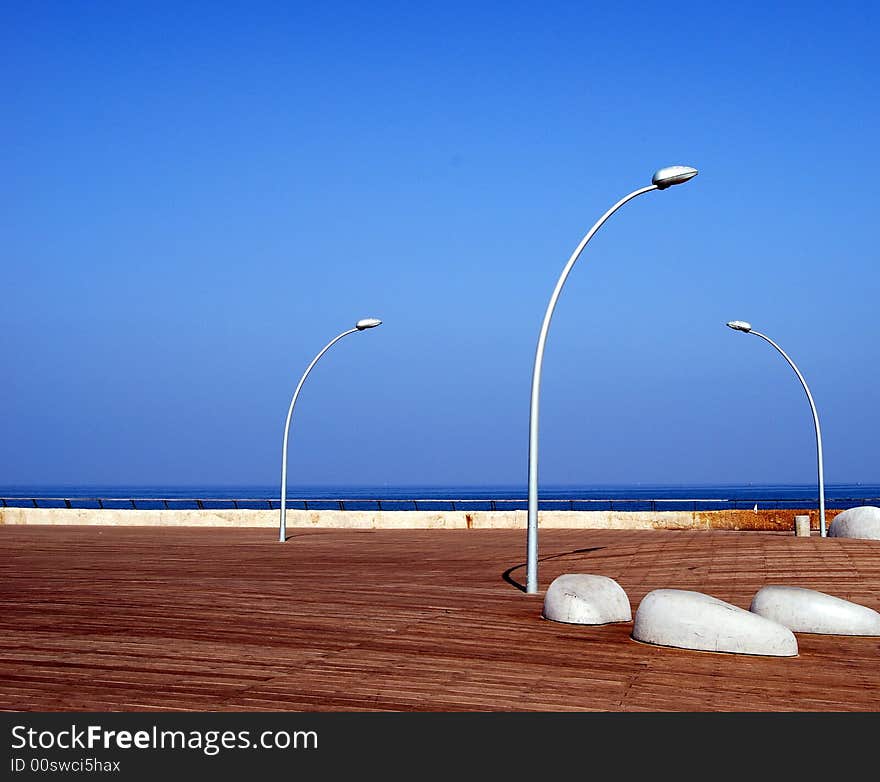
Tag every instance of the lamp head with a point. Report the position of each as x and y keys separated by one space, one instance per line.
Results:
x=740 y=325
x=367 y=323
x=673 y=175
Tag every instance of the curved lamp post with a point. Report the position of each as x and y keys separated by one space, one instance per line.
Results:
x=366 y=323
x=746 y=328
x=665 y=177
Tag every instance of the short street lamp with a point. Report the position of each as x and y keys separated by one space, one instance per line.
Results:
x=361 y=325
x=746 y=328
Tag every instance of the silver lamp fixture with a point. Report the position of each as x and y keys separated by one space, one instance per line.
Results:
x=745 y=327
x=361 y=325
x=662 y=179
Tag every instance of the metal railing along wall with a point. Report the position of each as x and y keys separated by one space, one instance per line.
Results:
x=432 y=504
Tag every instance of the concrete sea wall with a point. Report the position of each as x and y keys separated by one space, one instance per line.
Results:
x=781 y=519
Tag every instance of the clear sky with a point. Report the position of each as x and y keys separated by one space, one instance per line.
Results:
x=196 y=197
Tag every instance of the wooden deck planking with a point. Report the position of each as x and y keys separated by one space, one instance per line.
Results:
x=119 y=619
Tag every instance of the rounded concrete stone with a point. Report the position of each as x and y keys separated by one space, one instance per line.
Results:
x=692 y=620
x=861 y=522
x=808 y=611
x=584 y=599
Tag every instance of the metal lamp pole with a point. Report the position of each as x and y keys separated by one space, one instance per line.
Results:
x=665 y=177
x=366 y=323
x=741 y=325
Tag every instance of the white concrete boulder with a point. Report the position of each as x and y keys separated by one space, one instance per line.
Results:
x=808 y=611
x=692 y=620
x=584 y=599
x=861 y=522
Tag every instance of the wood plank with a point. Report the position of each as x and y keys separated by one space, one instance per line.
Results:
x=130 y=619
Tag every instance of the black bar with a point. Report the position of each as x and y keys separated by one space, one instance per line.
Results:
x=338 y=737
x=66 y=503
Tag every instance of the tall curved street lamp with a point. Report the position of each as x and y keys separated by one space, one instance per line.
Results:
x=361 y=325
x=746 y=328
x=665 y=177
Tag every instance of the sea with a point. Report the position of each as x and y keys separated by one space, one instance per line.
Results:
x=632 y=497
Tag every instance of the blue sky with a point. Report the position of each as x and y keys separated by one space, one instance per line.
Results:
x=197 y=197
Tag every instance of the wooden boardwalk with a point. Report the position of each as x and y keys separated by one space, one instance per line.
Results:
x=129 y=619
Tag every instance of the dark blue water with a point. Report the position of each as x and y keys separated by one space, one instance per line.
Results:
x=611 y=497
